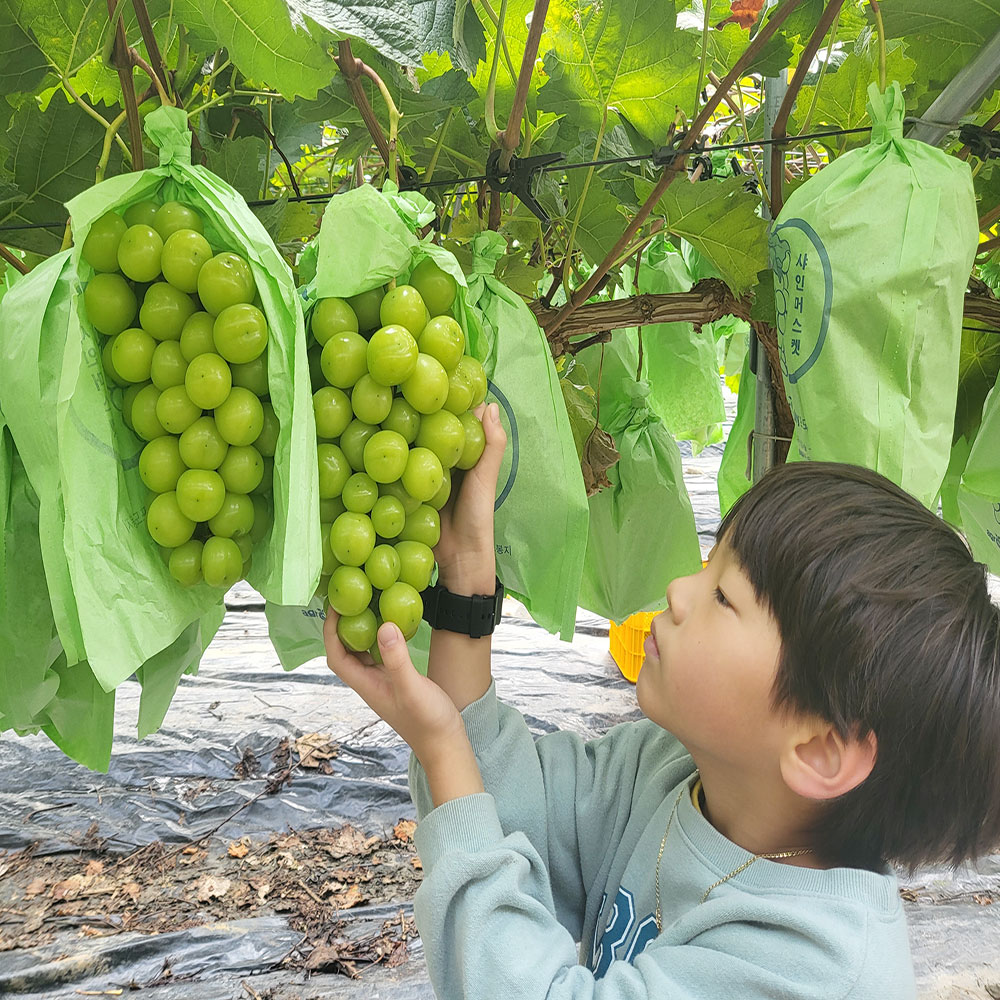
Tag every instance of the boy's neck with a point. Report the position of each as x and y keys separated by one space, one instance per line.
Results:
x=760 y=817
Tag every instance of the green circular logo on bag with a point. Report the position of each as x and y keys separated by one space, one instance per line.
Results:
x=803 y=295
x=510 y=423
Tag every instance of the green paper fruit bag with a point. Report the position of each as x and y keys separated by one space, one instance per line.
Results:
x=115 y=602
x=871 y=258
x=641 y=532
x=542 y=501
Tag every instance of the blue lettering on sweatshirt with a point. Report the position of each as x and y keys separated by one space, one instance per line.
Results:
x=624 y=936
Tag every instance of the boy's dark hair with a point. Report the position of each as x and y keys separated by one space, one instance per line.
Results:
x=886 y=626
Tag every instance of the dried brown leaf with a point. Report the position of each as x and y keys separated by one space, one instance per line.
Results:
x=351 y=897
x=211 y=887
x=314 y=748
x=239 y=848
x=744 y=13
x=599 y=454
x=36 y=887
x=403 y=830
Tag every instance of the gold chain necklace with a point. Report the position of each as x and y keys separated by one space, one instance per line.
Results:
x=725 y=878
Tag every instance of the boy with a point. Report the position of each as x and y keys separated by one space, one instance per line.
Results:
x=822 y=698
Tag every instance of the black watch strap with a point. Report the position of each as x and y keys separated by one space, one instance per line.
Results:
x=474 y=616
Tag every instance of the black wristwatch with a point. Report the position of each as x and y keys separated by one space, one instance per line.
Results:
x=474 y=616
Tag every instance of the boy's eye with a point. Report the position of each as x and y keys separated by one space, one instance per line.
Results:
x=721 y=598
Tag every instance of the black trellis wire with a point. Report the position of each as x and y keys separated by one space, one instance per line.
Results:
x=551 y=168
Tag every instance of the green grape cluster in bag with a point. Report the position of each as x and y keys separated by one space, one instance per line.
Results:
x=139 y=418
x=871 y=258
x=393 y=393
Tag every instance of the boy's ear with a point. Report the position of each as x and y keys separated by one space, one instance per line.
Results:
x=820 y=764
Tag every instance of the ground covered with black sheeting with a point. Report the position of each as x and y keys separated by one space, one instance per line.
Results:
x=260 y=845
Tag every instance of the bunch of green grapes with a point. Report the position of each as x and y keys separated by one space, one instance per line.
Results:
x=393 y=395
x=186 y=340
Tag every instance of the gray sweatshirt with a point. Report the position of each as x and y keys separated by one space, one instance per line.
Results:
x=562 y=848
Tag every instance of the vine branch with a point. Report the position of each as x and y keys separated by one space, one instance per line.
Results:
x=14 y=261
x=353 y=69
x=780 y=128
x=707 y=301
x=671 y=172
x=122 y=62
x=152 y=47
x=511 y=137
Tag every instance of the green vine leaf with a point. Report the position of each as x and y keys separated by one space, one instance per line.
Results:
x=719 y=219
x=843 y=95
x=624 y=56
x=41 y=41
x=51 y=156
x=941 y=36
x=264 y=38
x=600 y=221
x=240 y=162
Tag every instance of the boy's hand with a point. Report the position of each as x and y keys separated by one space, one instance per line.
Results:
x=465 y=556
x=423 y=715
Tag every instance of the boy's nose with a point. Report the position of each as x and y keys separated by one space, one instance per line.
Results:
x=675 y=600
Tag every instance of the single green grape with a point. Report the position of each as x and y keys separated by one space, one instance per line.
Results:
x=168 y=367
x=403 y=419
x=416 y=564
x=334 y=470
x=442 y=338
x=235 y=517
x=426 y=390
x=403 y=306
x=208 y=381
x=139 y=253
x=444 y=434
x=167 y=524
x=100 y=248
x=141 y=213
x=437 y=288
x=175 y=410
x=353 y=440
x=386 y=457
x=184 y=253
x=222 y=563
x=370 y=401
x=332 y=409
x=344 y=359
x=240 y=417
x=201 y=446
x=360 y=493
x=161 y=464
x=132 y=354
x=185 y=563
x=242 y=469
x=172 y=216
x=196 y=335
x=382 y=567
x=388 y=516
x=392 y=355
x=240 y=333
x=357 y=632
x=423 y=525
x=401 y=604
x=110 y=303
x=165 y=310
x=366 y=307
x=423 y=474
x=225 y=280
x=349 y=591
x=330 y=316
x=475 y=441
x=352 y=538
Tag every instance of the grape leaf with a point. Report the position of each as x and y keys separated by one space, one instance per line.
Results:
x=264 y=38
x=843 y=95
x=600 y=222
x=450 y=26
x=978 y=366
x=239 y=162
x=719 y=219
x=624 y=56
x=51 y=156
x=43 y=39
x=941 y=36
